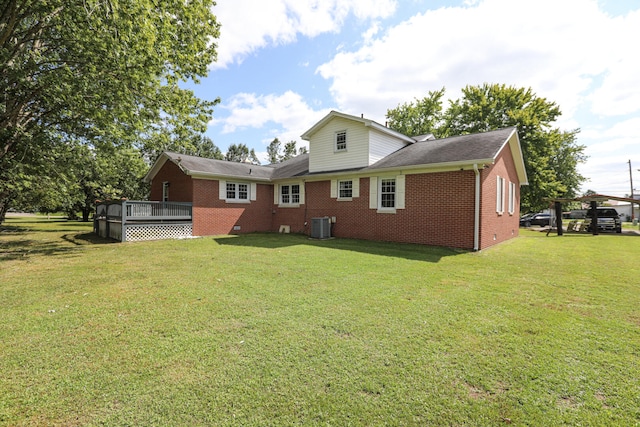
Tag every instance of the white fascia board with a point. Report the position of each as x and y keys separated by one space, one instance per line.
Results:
x=436 y=167
x=367 y=122
x=402 y=170
x=516 y=153
x=390 y=132
x=518 y=158
x=212 y=176
x=159 y=163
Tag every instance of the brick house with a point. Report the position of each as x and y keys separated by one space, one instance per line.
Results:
x=371 y=182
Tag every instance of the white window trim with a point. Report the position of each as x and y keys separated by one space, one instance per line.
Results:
x=512 y=198
x=345 y=198
x=251 y=191
x=500 y=196
x=375 y=196
x=236 y=199
x=395 y=192
x=278 y=195
x=335 y=189
x=335 y=141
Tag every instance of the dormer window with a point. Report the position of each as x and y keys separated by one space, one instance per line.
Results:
x=341 y=140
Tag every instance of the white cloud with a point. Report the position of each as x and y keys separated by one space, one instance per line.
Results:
x=248 y=25
x=609 y=150
x=286 y=116
x=559 y=49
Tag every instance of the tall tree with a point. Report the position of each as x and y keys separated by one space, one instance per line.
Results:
x=290 y=150
x=551 y=156
x=79 y=175
x=253 y=158
x=273 y=151
x=241 y=153
x=197 y=145
x=421 y=117
x=93 y=72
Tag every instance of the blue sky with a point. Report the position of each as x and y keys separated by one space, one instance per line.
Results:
x=283 y=64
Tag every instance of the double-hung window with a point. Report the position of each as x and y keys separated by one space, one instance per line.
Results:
x=345 y=189
x=341 y=140
x=237 y=191
x=290 y=194
x=387 y=193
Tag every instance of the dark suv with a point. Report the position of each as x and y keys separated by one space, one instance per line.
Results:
x=608 y=220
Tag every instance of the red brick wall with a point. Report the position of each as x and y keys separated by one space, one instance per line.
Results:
x=439 y=211
x=498 y=228
x=180 y=185
x=439 y=208
x=212 y=216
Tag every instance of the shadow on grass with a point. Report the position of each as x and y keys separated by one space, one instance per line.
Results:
x=90 y=238
x=44 y=225
x=25 y=248
x=399 y=250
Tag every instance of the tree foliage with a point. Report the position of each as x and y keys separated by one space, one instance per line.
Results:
x=78 y=175
x=197 y=145
x=289 y=151
x=551 y=156
x=241 y=153
x=273 y=151
x=417 y=118
x=97 y=73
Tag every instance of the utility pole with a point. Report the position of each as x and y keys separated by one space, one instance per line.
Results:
x=631 y=181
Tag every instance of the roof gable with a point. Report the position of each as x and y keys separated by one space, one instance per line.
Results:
x=211 y=168
x=428 y=153
x=367 y=122
x=465 y=149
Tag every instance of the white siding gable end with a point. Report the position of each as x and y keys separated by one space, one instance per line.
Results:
x=381 y=145
x=365 y=145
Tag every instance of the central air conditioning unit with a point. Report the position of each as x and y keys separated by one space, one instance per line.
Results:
x=321 y=228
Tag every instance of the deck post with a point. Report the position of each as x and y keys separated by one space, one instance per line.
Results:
x=123 y=218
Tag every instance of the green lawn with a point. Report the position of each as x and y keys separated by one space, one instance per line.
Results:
x=282 y=330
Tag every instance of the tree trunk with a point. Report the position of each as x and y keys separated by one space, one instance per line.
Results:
x=5 y=201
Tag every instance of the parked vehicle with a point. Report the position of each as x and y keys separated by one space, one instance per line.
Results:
x=540 y=219
x=608 y=220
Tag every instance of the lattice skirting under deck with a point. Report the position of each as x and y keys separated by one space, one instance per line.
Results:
x=158 y=232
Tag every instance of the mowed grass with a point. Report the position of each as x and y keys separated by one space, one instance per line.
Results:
x=281 y=330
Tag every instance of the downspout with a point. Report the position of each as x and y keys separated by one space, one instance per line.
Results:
x=476 y=213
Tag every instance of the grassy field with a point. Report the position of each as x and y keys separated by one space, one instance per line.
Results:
x=282 y=330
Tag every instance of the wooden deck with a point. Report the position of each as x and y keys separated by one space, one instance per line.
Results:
x=134 y=220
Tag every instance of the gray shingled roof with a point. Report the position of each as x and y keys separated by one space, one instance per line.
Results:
x=200 y=166
x=456 y=149
x=298 y=166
